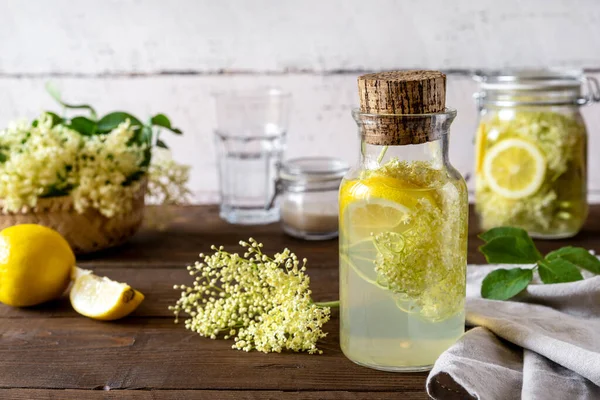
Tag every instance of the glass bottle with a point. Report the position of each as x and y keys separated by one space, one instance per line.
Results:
x=403 y=227
x=531 y=151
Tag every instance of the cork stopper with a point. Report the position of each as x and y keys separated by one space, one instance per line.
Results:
x=395 y=99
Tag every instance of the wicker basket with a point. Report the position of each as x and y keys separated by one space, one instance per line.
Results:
x=87 y=232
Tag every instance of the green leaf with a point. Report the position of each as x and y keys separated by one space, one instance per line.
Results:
x=55 y=93
x=54 y=191
x=83 y=125
x=3 y=157
x=504 y=231
x=114 y=119
x=163 y=121
x=146 y=137
x=56 y=119
x=502 y=284
x=510 y=250
x=523 y=241
x=558 y=271
x=578 y=256
x=160 y=143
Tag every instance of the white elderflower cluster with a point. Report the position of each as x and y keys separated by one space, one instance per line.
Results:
x=104 y=167
x=100 y=171
x=167 y=187
x=263 y=303
x=36 y=161
x=167 y=179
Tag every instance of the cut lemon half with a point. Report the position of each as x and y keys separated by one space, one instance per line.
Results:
x=514 y=168
x=101 y=298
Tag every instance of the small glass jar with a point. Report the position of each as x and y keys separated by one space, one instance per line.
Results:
x=531 y=151
x=309 y=197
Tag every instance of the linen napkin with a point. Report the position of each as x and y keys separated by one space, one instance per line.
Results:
x=545 y=344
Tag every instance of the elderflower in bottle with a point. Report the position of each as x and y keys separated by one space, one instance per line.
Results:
x=403 y=227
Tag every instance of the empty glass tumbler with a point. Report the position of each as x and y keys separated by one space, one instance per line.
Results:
x=250 y=140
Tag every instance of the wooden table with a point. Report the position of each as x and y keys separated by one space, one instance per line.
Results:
x=50 y=352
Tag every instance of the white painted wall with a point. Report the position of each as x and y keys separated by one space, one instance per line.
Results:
x=156 y=56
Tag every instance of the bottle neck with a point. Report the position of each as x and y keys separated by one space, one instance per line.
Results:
x=434 y=152
x=406 y=137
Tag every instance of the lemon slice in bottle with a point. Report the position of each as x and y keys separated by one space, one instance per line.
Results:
x=366 y=218
x=514 y=168
x=101 y=298
x=375 y=215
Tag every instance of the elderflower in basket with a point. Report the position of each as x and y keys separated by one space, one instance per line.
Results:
x=85 y=176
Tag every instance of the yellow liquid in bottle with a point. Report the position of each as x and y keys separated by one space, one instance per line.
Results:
x=403 y=237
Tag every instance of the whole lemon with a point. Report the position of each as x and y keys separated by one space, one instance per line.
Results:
x=35 y=265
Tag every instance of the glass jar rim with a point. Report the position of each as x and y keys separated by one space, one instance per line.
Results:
x=253 y=93
x=536 y=87
x=448 y=111
x=526 y=79
x=313 y=169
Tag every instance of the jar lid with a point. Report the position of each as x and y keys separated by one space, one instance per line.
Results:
x=552 y=86
x=313 y=169
x=531 y=79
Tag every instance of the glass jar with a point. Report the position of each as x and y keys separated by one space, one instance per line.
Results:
x=531 y=151
x=309 y=197
x=403 y=244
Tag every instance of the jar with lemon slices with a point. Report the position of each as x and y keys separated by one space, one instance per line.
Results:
x=531 y=151
x=403 y=227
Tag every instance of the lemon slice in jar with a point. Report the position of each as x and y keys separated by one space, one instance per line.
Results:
x=514 y=168
x=480 y=142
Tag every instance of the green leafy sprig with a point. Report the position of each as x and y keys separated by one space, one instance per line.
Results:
x=93 y=125
x=508 y=245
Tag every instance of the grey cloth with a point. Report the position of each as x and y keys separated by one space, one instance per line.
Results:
x=545 y=344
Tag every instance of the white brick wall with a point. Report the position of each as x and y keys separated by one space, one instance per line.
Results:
x=150 y=56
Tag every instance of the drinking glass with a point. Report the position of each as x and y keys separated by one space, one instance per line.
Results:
x=250 y=140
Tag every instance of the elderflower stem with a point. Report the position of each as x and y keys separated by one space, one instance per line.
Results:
x=334 y=303
x=382 y=154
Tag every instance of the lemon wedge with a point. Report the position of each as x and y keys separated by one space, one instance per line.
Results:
x=101 y=298
x=514 y=168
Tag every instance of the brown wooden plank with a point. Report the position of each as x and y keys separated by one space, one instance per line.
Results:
x=157 y=286
x=51 y=347
x=156 y=280
x=68 y=394
x=197 y=227
x=136 y=353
